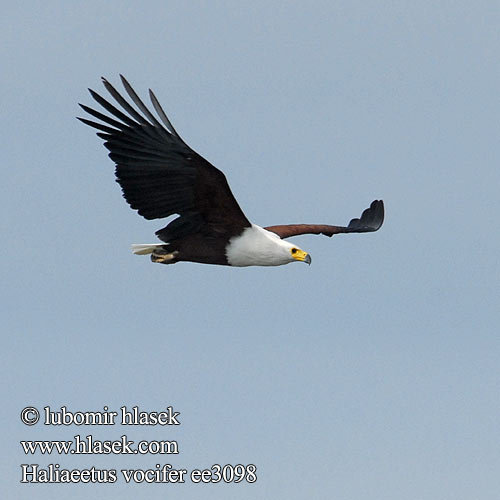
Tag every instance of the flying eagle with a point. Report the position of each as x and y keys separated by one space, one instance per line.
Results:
x=160 y=175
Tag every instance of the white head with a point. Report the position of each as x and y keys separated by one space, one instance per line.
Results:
x=258 y=247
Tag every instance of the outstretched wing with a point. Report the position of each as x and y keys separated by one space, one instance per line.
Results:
x=371 y=220
x=160 y=175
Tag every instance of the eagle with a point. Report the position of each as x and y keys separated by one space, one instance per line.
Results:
x=161 y=176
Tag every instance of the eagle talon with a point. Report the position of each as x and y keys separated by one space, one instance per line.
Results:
x=165 y=258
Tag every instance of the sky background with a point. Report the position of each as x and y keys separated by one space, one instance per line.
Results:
x=373 y=373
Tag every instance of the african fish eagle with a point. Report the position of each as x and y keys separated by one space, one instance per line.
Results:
x=160 y=175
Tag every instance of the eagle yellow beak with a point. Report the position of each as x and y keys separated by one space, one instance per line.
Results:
x=302 y=256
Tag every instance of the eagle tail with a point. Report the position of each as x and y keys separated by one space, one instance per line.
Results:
x=145 y=248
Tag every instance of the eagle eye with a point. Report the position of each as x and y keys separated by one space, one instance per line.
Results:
x=294 y=250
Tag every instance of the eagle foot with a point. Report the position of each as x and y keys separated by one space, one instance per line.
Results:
x=164 y=258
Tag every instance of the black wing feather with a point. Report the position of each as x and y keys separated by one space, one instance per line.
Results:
x=371 y=219
x=158 y=173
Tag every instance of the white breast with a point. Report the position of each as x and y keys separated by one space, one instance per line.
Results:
x=258 y=247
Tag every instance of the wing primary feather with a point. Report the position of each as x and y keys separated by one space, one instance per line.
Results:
x=139 y=103
x=96 y=125
x=154 y=132
x=371 y=219
x=122 y=128
x=109 y=107
x=123 y=103
x=162 y=115
x=104 y=118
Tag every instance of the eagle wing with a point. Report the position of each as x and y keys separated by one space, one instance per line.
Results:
x=371 y=220
x=160 y=175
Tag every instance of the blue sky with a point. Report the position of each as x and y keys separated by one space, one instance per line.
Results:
x=373 y=373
